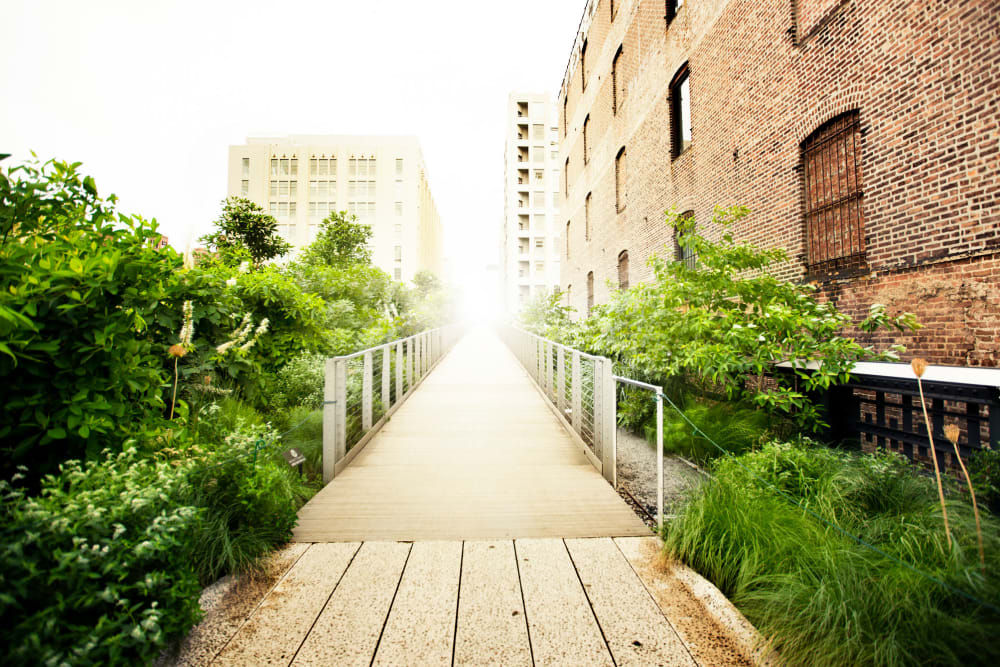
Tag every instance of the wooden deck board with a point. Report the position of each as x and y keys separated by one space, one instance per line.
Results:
x=474 y=454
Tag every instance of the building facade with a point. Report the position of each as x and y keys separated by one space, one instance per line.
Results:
x=300 y=179
x=863 y=135
x=531 y=237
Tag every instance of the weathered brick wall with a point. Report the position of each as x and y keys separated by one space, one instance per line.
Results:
x=764 y=75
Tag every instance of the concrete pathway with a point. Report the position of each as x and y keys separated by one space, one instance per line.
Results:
x=474 y=453
x=598 y=601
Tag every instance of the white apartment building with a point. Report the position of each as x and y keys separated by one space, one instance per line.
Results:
x=529 y=261
x=300 y=179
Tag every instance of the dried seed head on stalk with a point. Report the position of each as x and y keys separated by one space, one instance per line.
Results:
x=951 y=432
x=919 y=366
x=177 y=350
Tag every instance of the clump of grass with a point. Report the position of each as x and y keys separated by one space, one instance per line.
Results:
x=817 y=594
x=735 y=427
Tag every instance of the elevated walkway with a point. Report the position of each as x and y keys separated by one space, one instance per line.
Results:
x=474 y=453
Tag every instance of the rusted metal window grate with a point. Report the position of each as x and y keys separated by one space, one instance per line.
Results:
x=831 y=159
x=590 y=292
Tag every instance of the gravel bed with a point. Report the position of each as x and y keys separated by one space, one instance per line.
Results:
x=637 y=476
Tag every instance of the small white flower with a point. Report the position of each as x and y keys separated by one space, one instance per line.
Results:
x=244 y=267
x=231 y=282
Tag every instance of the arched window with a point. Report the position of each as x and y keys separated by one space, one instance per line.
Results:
x=567 y=239
x=590 y=292
x=623 y=270
x=831 y=169
x=586 y=216
x=586 y=147
x=616 y=97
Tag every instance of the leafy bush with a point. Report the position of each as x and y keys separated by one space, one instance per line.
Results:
x=735 y=427
x=984 y=468
x=818 y=595
x=97 y=568
x=726 y=321
x=300 y=381
x=81 y=286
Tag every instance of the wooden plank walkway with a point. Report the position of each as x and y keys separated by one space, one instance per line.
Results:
x=482 y=602
x=473 y=454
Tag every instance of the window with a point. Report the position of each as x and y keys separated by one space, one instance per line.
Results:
x=586 y=217
x=567 y=239
x=323 y=167
x=539 y=199
x=246 y=167
x=583 y=65
x=539 y=267
x=295 y=167
x=681 y=254
x=540 y=243
x=398 y=253
x=538 y=132
x=673 y=6
x=614 y=10
x=586 y=153
x=566 y=172
x=397 y=273
x=539 y=176
x=680 y=112
x=399 y=208
x=399 y=166
x=831 y=166
x=244 y=187
x=620 y=195
x=565 y=119
x=590 y=292
x=538 y=154
x=274 y=168
x=283 y=168
x=616 y=97
x=623 y=270
x=397 y=228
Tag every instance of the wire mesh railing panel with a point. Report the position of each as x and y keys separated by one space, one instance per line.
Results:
x=378 y=407
x=355 y=381
x=587 y=383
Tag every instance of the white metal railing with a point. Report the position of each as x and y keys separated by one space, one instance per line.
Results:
x=580 y=386
x=583 y=389
x=363 y=389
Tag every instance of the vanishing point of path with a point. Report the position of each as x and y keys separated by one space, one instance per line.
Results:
x=470 y=531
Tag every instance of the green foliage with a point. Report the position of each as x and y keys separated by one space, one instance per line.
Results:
x=984 y=469
x=81 y=285
x=96 y=569
x=300 y=382
x=727 y=321
x=341 y=241
x=736 y=427
x=245 y=227
x=546 y=315
x=822 y=598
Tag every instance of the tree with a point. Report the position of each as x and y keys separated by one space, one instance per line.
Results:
x=245 y=226
x=341 y=241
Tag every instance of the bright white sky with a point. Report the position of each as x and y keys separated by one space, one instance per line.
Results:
x=149 y=95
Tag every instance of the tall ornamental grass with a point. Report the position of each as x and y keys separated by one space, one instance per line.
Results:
x=817 y=594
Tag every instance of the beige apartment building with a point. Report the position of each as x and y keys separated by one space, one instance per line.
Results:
x=530 y=241
x=300 y=179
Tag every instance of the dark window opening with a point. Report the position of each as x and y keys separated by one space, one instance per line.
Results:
x=616 y=99
x=586 y=153
x=680 y=112
x=583 y=65
x=620 y=197
x=831 y=167
x=673 y=6
x=586 y=216
x=590 y=292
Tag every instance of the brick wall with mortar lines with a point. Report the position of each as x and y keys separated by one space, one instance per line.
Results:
x=924 y=78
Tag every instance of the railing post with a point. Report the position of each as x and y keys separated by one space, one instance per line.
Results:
x=577 y=396
x=547 y=384
x=410 y=362
x=334 y=417
x=659 y=458
x=399 y=371
x=366 y=394
x=561 y=380
x=608 y=422
x=386 y=374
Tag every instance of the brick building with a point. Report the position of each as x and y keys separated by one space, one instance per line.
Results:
x=864 y=135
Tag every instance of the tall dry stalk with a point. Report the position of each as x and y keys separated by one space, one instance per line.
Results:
x=919 y=366
x=951 y=432
x=178 y=350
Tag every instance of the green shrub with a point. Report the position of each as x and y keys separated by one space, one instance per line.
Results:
x=81 y=286
x=300 y=381
x=735 y=427
x=984 y=469
x=818 y=595
x=97 y=569
x=250 y=501
x=307 y=437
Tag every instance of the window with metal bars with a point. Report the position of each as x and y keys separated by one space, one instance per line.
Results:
x=616 y=98
x=831 y=167
x=682 y=254
x=623 y=270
